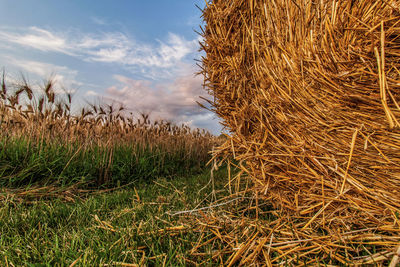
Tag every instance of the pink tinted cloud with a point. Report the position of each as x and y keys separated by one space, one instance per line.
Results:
x=175 y=101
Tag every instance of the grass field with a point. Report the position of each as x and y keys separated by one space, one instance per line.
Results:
x=24 y=161
x=98 y=186
x=132 y=225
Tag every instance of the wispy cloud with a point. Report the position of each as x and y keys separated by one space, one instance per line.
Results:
x=63 y=76
x=91 y=93
x=168 y=88
x=108 y=47
x=118 y=48
x=37 y=38
x=98 y=21
x=174 y=101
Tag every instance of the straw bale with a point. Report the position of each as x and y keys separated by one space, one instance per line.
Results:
x=310 y=91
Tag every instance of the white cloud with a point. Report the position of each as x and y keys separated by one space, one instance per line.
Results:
x=176 y=48
x=118 y=48
x=168 y=88
x=111 y=47
x=63 y=76
x=91 y=93
x=174 y=101
x=98 y=21
x=37 y=38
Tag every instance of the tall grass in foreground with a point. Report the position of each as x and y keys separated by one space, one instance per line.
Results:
x=120 y=227
x=42 y=141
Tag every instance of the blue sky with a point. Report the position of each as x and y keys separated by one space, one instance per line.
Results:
x=140 y=53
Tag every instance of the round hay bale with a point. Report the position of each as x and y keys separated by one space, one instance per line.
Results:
x=310 y=93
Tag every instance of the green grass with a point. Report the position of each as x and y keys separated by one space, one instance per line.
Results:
x=24 y=162
x=98 y=187
x=106 y=228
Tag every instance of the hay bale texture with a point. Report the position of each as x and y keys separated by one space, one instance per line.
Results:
x=310 y=93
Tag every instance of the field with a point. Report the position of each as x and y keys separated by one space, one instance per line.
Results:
x=102 y=187
x=44 y=142
x=309 y=174
x=98 y=186
x=133 y=225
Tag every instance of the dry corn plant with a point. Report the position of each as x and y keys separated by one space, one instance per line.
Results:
x=309 y=91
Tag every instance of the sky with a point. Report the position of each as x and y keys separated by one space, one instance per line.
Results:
x=143 y=54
